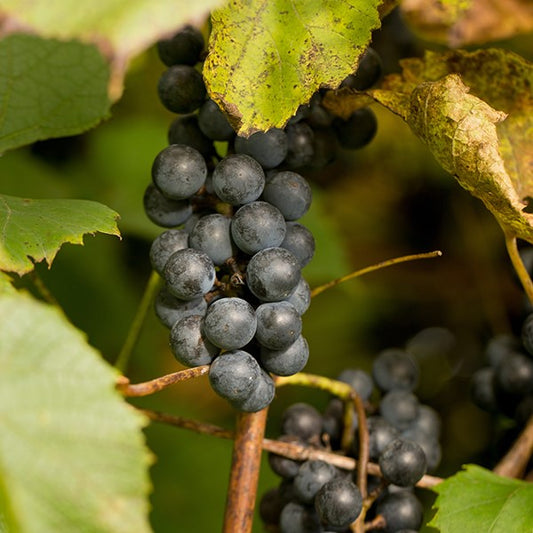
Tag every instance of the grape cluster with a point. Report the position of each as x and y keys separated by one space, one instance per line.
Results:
x=505 y=385
x=403 y=438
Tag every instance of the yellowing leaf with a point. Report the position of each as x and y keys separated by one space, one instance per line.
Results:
x=37 y=228
x=474 y=111
x=266 y=57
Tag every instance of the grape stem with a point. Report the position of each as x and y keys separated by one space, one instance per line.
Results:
x=518 y=265
x=515 y=461
x=389 y=262
x=244 y=475
x=291 y=450
x=136 y=326
x=155 y=385
x=378 y=523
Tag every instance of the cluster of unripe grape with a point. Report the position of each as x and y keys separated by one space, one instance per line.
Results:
x=232 y=255
x=403 y=437
x=505 y=385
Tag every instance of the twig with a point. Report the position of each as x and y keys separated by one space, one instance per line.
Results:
x=244 y=475
x=155 y=385
x=135 y=328
x=362 y=462
x=520 y=269
x=389 y=262
x=297 y=452
x=514 y=462
x=377 y=523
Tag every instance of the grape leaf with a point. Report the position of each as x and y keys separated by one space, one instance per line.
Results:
x=474 y=111
x=49 y=89
x=461 y=22
x=268 y=57
x=476 y=500
x=37 y=228
x=72 y=454
x=120 y=28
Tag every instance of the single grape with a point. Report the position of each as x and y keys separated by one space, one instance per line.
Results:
x=429 y=444
x=288 y=361
x=283 y=466
x=188 y=343
x=403 y=462
x=318 y=117
x=428 y=422
x=181 y=89
x=268 y=148
x=189 y=274
x=401 y=510
x=399 y=408
x=527 y=333
x=301 y=420
x=358 y=130
x=170 y=309
x=500 y=347
x=238 y=179
x=300 y=242
x=482 y=389
x=380 y=434
x=300 y=145
x=367 y=73
x=300 y=297
x=212 y=235
x=514 y=374
x=213 y=122
x=395 y=369
x=297 y=518
x=359 y=380
x=163 y=211
x=234 y=375
x=338 y=503
x=278 y=325
x=272 y=274
x=183 y=48
x=290 y=193
x=256 y=226
x=230 y=323
x=260 y=397
x=325 y=148
x=185 y=130
x=270 y=507
x=311 y=477
x=164 y=245
x=179 y=171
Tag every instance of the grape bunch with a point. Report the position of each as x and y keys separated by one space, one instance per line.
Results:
x=505 y=385
x=403 y=438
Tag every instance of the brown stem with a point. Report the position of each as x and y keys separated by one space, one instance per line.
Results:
x=347 y=433
x=514 y=462
x=520 y=269
x=362 y=463
x=155 y=385
x=244 y=474
x=297 y=452
x=377 y=523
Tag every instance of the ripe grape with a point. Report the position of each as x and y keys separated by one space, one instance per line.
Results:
x=211 y=235
x=269 y=148
x=182 y=48
x=338 y=503
x=403 y=462
x=163 y=211
x=278 y=325
x=290 y=193
x=181 y=89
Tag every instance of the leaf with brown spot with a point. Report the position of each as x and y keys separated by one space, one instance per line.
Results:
x=474 y=111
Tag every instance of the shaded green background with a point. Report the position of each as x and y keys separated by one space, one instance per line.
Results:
x=387 y=200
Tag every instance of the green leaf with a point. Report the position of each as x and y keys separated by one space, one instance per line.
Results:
x=477 y=500
x=474 y=112
x=36 y=229
x=49 y=89
x=120 y=28
x=268 y=57
x=72 y=454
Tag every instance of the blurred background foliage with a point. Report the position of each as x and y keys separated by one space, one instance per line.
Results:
x=387 y=200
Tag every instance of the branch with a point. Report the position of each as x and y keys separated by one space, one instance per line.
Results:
x=514 y=462
x=297 y=452
x=245 y=465
x=155 y=385
x=389 y=262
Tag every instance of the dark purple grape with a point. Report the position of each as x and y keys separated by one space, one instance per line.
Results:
x=183 y=48
x=338 y=503
x=278 y=325
x=261 y=396
x=301 y=296
x=179 y=171
x=214 y=123
x=212 y=235
x=358 y=130
x=367 y=73
x=514 y=374
x=189 y=274
x=500 y=347
x=482 y=389
x=270 y=507
x=297 y=518
x=311 y=477
x=288 y=361
x=301 y=420
x=170 y=309
x=268 y=148
x=283 y=466
x=163 y=211
x=185 y=130
x=290 y=193
x=428 y=422
x=359 y=380
x=300 y=242
x=399 y=408
x=403 y=462
x=300 y=138
x=181 y=89
x=395 y=369
x=164 y=245
x=401 y=510
x=380 y=434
